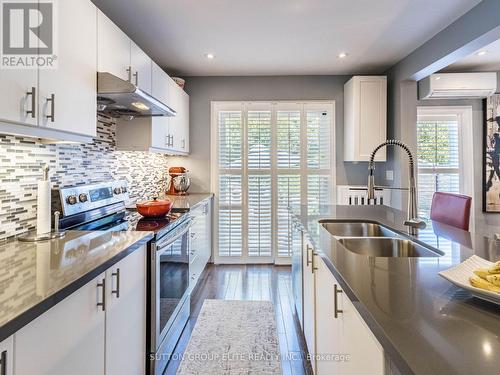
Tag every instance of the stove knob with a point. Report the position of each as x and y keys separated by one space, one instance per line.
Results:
x=72 y=199
x=117 y=191
x=83 y=198
x=124 y=189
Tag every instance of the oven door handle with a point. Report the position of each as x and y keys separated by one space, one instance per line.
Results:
x=171 y=240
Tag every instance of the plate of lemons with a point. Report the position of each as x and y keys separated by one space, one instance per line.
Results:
x=480 y=276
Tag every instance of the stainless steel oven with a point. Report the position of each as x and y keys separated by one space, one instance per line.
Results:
x=169 y=305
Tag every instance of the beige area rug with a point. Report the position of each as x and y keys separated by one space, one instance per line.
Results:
x=233 y=338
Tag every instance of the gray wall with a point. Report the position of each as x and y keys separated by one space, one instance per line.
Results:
x=474 y=30
x=203 y=90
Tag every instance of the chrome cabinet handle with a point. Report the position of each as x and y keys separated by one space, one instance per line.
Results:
x=117 y=290
x=129 y=74
x=52 y=100
x=136 y=75
x=313 y=263
x=171 y=140
x=102 y=285
x=336 y=311
x=3 y=363
x=32 y=93
x=309 y=250
x=183 y=143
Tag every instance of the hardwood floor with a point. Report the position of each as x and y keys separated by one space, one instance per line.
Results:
x=252 y=282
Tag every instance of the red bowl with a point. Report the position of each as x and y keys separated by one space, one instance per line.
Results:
x=154 y=208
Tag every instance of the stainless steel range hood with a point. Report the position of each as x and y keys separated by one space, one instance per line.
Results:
x=121 y=99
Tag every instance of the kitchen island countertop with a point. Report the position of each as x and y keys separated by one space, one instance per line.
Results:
x=36 y=276
x=425 y=324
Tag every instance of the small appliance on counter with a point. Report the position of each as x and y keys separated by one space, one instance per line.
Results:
x=179 y=181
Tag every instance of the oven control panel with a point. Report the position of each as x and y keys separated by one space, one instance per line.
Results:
x=78 y=199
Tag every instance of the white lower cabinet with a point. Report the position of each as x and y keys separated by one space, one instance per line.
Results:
x=6 y=356
x=200 y=245
x=100 y=329
x=309 y=303
x=344 y=343
x=126 y=316
x=67 y=339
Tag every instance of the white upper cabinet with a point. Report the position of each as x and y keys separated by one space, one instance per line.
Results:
x=179 y=125
x=365 y=117
x=19 y=96
x=67 y=95
x=160 y=82
x=141 y=68
x=113 y=53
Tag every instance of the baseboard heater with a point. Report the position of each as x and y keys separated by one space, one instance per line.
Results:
x=358 y=196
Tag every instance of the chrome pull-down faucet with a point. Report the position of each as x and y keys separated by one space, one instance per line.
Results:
x=412 y=221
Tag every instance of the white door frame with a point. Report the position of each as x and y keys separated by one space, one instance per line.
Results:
x=241 y=105
x=465 y=136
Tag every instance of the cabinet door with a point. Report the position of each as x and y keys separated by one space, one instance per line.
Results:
x=113 y=52
x=7 y=355
x=372 y=112
x=160 y=82
x=328 y=331
x=141 y=68
x=309 y=302
x=367 y=355
x=126 y=315
x=17 y=102
x=67 y=339
x=67 y=98
x=160 y=132
x=179 y=125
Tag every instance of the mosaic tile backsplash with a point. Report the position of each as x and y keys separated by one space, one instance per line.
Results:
x=21 y=160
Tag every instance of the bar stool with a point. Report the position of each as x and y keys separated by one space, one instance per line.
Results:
x=451 y=209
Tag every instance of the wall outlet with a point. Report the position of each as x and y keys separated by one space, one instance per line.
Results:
x=389 y=175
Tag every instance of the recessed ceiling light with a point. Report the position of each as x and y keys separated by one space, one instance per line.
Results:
x=209 y=56
x=342 y=55
x=438 y=78
x=482 y=53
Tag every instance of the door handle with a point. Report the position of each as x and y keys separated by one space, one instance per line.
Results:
x=32 y=93
x=183 y=143
x=336 y=311
x=117 y=290
x=102 y=285
x=52 y=100
x=309 y=250
x=136 y=76
x=3 y=363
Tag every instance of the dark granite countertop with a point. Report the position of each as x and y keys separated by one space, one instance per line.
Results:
x=425 y=324
x=185 y=203
x=36 y=276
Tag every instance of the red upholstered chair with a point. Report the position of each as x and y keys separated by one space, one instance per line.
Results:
x=451 y=209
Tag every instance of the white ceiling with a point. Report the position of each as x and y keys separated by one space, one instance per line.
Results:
x=475 y=63
x=281 y=37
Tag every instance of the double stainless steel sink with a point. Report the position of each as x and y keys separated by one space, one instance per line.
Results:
x=376 y=240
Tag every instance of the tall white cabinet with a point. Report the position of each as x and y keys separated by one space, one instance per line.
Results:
x=365 y=117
